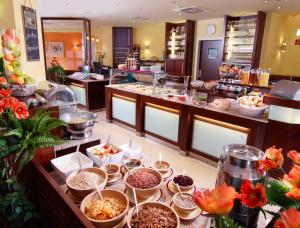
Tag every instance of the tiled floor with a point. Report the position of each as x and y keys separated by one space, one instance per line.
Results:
x=203 y=174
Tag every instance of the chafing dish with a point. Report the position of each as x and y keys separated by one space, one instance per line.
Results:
x=80 y=124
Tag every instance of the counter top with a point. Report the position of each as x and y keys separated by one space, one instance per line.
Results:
x=279 y=101
x=147 y=91
x=148 y=72
x=88 y=79
x=72 y=143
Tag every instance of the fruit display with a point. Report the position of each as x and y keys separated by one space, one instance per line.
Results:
x=10 y=42
x=252 y=101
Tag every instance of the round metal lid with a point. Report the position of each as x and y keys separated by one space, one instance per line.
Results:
x=243 y=156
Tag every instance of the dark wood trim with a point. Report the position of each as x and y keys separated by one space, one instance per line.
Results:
x=272 y=100
x=258 y=39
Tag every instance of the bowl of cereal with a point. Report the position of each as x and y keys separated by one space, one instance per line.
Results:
x=161 y=166
x=153 y=214
x=84 y=182
x=112 y=170
x=184 y=202
x=107 y=212
x=184 y=182
x=145 y=181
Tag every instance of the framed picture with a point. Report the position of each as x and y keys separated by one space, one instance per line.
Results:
x=31 y=34
x=55 y=49
x=213 y=53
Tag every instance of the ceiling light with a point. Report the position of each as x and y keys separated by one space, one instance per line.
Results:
x=138 y=18
x=278 y=7
x=266 y=1
x=189 y=10
x=298 y=32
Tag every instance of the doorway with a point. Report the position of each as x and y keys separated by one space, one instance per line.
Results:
x=210 y=53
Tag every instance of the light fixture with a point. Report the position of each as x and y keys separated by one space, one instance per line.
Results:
x=97 y=40
x=298 y=32
x=283 y=47
x=87 y=37
x=279 y=7
x=93 y=38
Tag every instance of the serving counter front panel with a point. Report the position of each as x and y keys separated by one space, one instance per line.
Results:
x=210 y=136
x=161 y=121
x=124 y=109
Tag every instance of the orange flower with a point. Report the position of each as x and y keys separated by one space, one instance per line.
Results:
x=294 y=156
x=293 y=177
x=9 y=102
x=288 y=219
x=5 y=92
x=274 y=159
x=217 y=201
x=294 y=193
x=3 y=81
x=20 y=110
x=253 y=196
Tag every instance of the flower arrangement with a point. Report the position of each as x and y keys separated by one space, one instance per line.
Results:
x=284 y=193
x=56 y=72
x=20 y=136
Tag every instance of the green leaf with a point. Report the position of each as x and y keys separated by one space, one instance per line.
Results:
x=226 y=222
x=14 y=132
x=28 y=215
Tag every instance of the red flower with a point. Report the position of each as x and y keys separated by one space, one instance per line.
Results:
x=9 y=102
x=294 y=156
x=3 y=81
x=288 y=219
x=274 y=159
x=5 y=92
x=217 y=201
x=253 y=196
x=294 y=193
x=293 y=177
x=20 y=110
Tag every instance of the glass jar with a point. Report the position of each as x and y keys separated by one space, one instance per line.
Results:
x=253 y=78
x=263 y=78
x=244 y=76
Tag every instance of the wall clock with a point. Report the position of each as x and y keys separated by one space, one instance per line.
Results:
x=211 y=29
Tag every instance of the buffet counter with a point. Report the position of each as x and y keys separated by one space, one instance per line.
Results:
x=200 y=129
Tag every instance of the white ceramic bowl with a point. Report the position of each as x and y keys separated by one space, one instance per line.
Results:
x=178 y=207
x=252 y=111
x=67 y=164
x=106 y=193
x=183 y=188
x=81 y=193
x=115 y=158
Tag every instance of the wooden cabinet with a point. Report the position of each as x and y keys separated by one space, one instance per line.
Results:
x=243 y=40
x=122 y=44
x=175 y=67
x=179 y=44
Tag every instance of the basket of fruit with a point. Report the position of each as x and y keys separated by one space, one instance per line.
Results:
x=22 y=85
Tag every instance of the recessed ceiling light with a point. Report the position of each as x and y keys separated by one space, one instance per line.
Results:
x=278 y=7
x=266 y=1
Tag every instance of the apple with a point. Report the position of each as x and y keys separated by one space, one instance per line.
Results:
x=12 y=45
x=10 y=33
x=16 y=53
x=15 y=64
x=19 y=80
x=18 y=72
x=9 y=69
x=29 y=80
x=8 y=57
x=13 y=78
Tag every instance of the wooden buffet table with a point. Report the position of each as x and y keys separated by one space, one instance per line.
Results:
x=90 y=93
x=201 y=130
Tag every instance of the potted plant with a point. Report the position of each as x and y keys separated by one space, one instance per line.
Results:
x=20 y=136
x=56 y=73
x=284 y=193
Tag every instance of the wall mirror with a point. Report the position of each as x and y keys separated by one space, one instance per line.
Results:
x=67 y=41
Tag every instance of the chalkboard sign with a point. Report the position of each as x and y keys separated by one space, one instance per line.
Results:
x=31 y=34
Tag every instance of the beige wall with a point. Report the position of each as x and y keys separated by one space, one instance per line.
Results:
x=281 y=28
x=153 y=36
x=201 y=34
x=11 y=17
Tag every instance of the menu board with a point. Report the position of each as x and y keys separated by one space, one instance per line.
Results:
x=31 y=34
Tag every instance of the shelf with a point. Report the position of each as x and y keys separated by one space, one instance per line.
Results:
x=246 y=52
x=241 y=36
x=237 y=44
